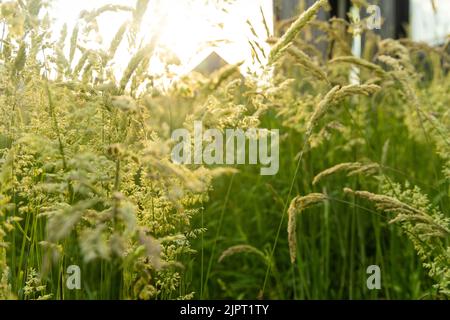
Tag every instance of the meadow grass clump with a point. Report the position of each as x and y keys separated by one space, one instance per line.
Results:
x=371 y=133
x=426 y=227
x=85 y=176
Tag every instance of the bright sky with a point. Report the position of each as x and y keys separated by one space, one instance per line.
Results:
x=188 y=27
x=427 y=25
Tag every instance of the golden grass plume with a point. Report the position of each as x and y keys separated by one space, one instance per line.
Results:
x=298 y=205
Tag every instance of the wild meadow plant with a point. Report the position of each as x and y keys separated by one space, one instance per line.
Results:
x=353 y=127
x=393 y=72
x=86 y=176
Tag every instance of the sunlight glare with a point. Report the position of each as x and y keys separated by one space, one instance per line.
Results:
x=190 y=29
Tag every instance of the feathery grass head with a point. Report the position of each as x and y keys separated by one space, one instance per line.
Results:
x=134 y=63
x=305 y=61
x=239 y=249
x=336 y=95
x=352 y=168
x=405 y=212
x=298 y=205
x=426 y=227
x=294 y=30
x=360 y=63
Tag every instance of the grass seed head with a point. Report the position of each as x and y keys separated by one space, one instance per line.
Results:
x=298 y=205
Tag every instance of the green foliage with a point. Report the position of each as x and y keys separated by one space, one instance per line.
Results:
x=86 y=177
x=85 y=172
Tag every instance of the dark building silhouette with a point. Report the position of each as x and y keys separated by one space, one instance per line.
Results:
x=210 y=64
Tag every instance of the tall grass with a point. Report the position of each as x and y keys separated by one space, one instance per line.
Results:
x=86 y=177
x=396 y=136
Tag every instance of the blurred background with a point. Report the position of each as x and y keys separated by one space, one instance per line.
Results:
x=205 y=35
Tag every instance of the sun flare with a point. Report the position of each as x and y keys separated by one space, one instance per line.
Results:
x=190 y=30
